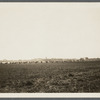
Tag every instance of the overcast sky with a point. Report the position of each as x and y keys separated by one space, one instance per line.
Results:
x=53 y=30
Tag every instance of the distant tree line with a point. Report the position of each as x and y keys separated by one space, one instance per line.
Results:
x=53 y=60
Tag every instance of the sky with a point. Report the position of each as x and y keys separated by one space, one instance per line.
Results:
x=52 y=30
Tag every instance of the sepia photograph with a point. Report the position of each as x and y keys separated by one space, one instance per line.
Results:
x=50 y=48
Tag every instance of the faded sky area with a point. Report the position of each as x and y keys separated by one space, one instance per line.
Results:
x=53 y=30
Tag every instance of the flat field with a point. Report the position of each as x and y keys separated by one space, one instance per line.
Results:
x=58 y=77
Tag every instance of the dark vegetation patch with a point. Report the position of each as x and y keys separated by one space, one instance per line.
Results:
x=50 y=77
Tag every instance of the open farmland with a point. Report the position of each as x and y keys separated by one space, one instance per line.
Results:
x=50 y=77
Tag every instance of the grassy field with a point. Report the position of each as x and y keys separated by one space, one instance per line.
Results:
x=50 y=77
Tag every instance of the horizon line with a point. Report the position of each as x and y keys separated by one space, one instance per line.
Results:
x=54 y=58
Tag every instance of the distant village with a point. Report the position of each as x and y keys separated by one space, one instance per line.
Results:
x=47 y=60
